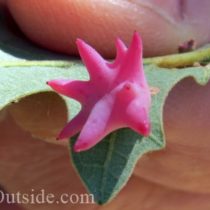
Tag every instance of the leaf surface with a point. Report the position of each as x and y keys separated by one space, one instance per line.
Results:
x=106 y=168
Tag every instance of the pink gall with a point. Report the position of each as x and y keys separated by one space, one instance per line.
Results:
x=116 y=96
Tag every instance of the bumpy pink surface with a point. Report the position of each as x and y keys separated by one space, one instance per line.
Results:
x=116 y=96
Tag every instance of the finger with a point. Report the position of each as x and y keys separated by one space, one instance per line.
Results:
x=164 y=25
x=33 y=164
x=140 y=194
x=43 y=115
x=28 y=163
x=184 y=163
x=2 y=3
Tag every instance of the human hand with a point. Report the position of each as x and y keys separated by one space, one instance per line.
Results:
x=187 y=143
x=163 y=25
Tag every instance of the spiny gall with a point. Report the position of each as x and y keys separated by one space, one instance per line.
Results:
x=116 y=96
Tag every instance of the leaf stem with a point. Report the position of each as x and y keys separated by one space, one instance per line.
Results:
x=25 y=63
x=167 y=61
x=180 y=60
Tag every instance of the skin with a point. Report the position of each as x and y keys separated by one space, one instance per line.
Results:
x=180 y=171
x=2 y=4
x=57 y=24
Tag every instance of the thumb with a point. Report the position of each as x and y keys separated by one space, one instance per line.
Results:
x=163 y=24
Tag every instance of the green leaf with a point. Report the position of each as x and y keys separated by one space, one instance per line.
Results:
x=17 y=83
x=25 y=68
x=106 y=168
